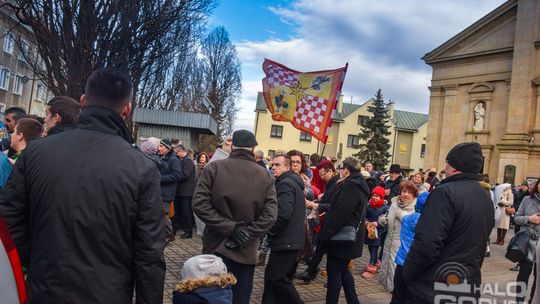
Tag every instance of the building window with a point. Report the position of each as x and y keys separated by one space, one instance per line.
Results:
x=23 y=51
x=423 y=150
x=18 y=85
x=9 y=43
x=276 y=131
x=40 y=92
x=305 y=136
x=352 y=140
x=271 y=153
x=4 y=78
x=362 y=119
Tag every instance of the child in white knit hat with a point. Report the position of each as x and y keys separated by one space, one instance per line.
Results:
x=204 y=280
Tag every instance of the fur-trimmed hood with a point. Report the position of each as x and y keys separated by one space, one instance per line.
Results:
x=221 y=281
x=212 y=290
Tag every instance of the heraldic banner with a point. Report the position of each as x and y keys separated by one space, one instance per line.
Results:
x=307 y=100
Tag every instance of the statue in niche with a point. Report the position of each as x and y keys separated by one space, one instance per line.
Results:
x=479 y=116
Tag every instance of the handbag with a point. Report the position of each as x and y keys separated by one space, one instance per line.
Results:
x=510 y=211
x=345 y=236
x=518 y=248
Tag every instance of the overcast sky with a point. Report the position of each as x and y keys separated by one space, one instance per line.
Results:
x=382 y=41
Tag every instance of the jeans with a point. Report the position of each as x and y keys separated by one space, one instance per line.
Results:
x=373 y=254
x=525 y=269
x=244 y=275
x=338 y=276
x=399 y=294
x=183 y=217
x=278 y=278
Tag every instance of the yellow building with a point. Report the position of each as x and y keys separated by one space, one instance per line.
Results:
x=407 y=138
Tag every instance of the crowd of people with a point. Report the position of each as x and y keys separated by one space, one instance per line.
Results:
x=90 y=212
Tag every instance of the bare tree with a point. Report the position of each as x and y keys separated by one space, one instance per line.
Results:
x=222 y=77
x=75 y=37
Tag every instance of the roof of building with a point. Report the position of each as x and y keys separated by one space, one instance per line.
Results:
x=346 y=109
x=203 y=122
x=409 y=120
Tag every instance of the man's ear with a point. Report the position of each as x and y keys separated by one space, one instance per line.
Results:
x=83 y=101
x=57 y=119
x=126 y=110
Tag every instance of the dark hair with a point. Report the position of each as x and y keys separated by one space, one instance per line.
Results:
x=409 y=186
x=17 y=112
x=302 y=157
x=535 y=189
x=286 y=157
x=108 y=88
x=40 y=119
x=66 y=107
x=175 y=141
x=314 y=158
x=30 y=128
x=432 y=174
x=180 y=147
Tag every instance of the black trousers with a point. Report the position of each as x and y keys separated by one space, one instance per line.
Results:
x=316 y=259
x=183 y=217
x=340 y=276
x=244 y=277
x=278 y=278
x=525 y=269
x=399 y=293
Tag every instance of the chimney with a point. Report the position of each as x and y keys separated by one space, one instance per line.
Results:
x=390 y=107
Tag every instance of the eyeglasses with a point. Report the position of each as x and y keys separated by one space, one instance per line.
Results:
x=340 y=168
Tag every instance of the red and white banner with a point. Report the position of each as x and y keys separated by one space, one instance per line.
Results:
x=306 y=100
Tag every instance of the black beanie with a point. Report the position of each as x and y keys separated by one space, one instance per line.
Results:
x=166 y=143
x=466 y=157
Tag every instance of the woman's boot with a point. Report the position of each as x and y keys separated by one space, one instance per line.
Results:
x=503 y=234
x=497 y=242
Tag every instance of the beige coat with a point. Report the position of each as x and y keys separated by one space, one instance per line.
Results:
x=392 y=242
x=507 y=200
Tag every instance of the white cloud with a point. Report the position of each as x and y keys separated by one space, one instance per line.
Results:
x=382 y=41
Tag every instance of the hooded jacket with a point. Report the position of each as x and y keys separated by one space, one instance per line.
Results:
x=171 y=174
x=454 y=228
x=85 y=212
x=213 y=290
x=407 y=229
x=288 y=230
x=347 y=208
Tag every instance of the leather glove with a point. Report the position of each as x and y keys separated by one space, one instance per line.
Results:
x=230 y=244
x=240 y=235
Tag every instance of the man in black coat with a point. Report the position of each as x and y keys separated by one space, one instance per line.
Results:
x=391 y=186
x=84 y=207
x=183 y=217
x=171 y=174
x=286 y=237
x=452 y=233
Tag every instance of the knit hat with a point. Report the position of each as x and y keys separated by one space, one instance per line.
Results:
x=395 y=168
x=244 y=139
x=379 y=191
x=203 y=266
x=466 y=157
x=149 y=148
x=325 y=163
x=166 y=143
x=421 y=201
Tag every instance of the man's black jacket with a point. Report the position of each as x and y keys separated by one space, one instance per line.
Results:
x=85 y=211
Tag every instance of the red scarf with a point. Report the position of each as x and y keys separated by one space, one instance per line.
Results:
x=376 y=205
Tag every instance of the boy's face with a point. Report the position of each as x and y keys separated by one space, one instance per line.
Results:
x=375 y=197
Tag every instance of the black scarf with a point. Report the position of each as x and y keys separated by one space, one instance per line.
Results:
x=104 y=120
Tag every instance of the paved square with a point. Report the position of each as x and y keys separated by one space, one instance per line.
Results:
x=495 y=270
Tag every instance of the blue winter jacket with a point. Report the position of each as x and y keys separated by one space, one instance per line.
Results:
x=408 y=224
x=204 y=295
x=372 y=215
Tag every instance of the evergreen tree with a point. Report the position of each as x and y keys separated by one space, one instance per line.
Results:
x=373 y=135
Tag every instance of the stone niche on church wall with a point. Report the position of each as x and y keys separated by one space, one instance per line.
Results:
x=480 y=102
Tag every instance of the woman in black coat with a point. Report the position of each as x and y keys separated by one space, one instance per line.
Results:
x=348 y=208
